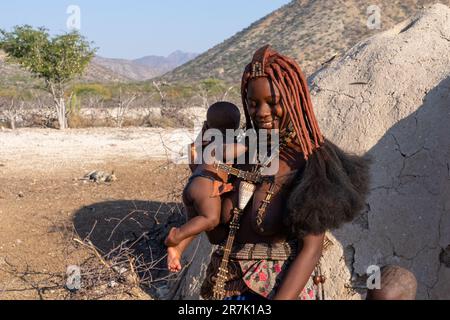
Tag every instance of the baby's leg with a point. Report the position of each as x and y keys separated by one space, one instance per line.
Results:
x=203 y=213
x=174 y=254
x=207 y=208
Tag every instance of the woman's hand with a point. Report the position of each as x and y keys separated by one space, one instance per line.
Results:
x=301 y=269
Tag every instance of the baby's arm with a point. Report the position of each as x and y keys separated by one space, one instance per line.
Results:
x=234 y=150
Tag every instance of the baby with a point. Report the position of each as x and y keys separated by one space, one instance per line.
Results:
x=202 y=194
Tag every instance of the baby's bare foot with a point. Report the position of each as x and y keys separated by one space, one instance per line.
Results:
x=174 y=259
x=171 y=240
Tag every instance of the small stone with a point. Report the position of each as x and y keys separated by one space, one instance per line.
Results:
x=20 y=195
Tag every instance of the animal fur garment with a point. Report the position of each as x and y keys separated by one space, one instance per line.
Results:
x=331 y=190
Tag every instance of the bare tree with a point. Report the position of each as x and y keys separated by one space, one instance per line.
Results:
x=11 y=110
x=123 y=104
x=94 y=101
x=44 y=103
x=227 y=92
x=158 y=86
x=204 y=96
x=149 y=107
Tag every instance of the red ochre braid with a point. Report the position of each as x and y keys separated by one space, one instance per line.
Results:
x=285 y=75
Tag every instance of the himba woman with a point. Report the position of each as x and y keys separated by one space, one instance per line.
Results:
x=318 y=187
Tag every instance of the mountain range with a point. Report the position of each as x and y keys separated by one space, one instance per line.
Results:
x=147 y=67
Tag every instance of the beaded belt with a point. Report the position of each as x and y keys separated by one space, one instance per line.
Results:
x=257 y=251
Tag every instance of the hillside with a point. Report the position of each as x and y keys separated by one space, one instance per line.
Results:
x=311 y=31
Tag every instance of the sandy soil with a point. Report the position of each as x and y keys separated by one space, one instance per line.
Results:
x=44 y=149
x=41 y=198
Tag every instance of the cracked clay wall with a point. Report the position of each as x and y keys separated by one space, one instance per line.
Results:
x=389 y=96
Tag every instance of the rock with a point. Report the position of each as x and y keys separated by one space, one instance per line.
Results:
x=100 y=177
x=389 y=96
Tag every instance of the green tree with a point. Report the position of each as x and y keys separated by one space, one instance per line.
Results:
x=57 y=60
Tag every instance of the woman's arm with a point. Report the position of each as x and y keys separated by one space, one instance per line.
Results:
x=301 y=269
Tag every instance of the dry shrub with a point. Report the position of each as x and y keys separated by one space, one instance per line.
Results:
x=40 y=121
x=174 y=115
x=5 y=124
x=77 y=121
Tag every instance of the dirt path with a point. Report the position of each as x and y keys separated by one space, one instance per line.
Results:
x=40 y=192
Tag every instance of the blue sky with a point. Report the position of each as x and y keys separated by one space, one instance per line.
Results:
x=135 y=28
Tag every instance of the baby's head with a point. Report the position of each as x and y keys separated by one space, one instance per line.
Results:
x=396 y=284
x=222 y=116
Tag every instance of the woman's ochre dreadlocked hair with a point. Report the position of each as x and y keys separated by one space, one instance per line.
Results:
x=332 y=187
x=286 y=75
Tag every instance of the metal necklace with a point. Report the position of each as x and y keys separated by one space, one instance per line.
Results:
x=246 y=190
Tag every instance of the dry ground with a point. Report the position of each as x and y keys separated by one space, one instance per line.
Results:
x=41 y=198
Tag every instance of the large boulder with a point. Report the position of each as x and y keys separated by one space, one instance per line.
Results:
x=389 y=96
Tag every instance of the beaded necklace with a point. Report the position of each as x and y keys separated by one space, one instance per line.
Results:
x=256 y=176
x=246 y=191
